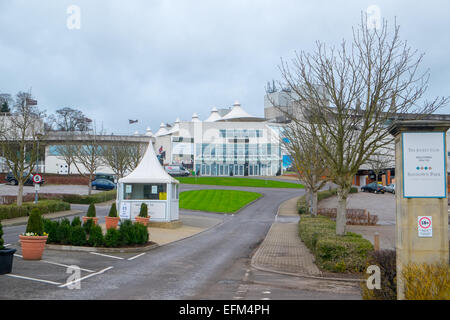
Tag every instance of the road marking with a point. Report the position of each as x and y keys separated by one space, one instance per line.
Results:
x=105 y=255
x=33 y=279
x=139 y=255
x=85 y=277
x=64 y=265
x=18 y=255
x=265 y=299
x=7 y=245
x=238 y=297
x=266 y=292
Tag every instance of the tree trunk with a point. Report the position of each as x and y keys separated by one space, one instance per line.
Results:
x=90 y=185
x=341 y=216
x=314 y=202
x=20 y=193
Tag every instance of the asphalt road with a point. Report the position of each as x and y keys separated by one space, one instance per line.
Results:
x=187 y=269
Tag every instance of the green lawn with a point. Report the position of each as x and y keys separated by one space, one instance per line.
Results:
x=222 y=201
x=238 y=182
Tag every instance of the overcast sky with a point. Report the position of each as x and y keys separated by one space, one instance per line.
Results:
x=158 y=60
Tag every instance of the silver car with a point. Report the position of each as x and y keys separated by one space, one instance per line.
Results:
x=390 y=188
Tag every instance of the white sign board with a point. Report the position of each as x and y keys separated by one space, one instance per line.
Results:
x=125 y=210
x=424 y=165
x=425 y=226
x=36 y=187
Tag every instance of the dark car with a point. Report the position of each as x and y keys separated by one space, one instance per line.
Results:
x=177 y=171
x=373 y=187
x=13 y=181
x=106 y=176
x=103 y=184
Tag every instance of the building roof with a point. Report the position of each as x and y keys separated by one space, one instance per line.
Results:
x=149 y=170
x=237 y=113
x=214 y=116
x=162 y=130
x=195 y=118
x=176 y=126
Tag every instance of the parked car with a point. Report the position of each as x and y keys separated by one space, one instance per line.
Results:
x=106 y=176
x=177 y=171
x=390 y=188
x=373 y=187
x=103 y=184
x=13 y=181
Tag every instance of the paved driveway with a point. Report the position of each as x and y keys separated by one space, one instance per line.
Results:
x=180 y=270
x=6 y=189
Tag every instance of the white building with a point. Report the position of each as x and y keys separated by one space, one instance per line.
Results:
x=235 y=144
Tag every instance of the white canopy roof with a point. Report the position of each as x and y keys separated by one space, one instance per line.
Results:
x=237 y=113
x=149 y=170
x=176 y=126
x=195 y=118
x=162 y=130
x=214 y=116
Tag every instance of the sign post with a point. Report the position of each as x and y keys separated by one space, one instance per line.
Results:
x=37 y=178
x=421 y=194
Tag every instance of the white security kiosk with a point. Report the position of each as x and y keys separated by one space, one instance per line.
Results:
x=149 y=183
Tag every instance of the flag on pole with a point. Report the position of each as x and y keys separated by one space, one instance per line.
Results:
x=31 y=102
x=132 y=121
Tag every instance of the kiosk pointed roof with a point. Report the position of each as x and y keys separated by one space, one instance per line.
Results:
x=149 y=170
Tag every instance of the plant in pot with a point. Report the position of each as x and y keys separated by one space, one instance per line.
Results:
x=143 y=215
x=6 y=255
x=112 y=220
x=91 y=214
x=34 y=239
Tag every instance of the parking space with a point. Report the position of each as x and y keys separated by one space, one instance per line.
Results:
x=60 y=269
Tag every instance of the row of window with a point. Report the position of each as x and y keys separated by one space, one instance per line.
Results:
x=237 y=149
x=241 y=133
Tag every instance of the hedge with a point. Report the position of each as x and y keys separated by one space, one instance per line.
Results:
x=9 y=211
x=93 y=198
x=334 y=253
x=302 y=206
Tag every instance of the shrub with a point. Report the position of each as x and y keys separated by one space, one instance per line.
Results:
x=51 y=228
x=127 y=233
x=76 y=222
x=96 y=237
x=354 y=190
x=63 y=233
x=427 y=281
x=9 y=211
x=386 y=261
x=112 y=238
x=91 y=211
x=334 y=253
x=87 y=226
x=78 y=236
x=1 y=237
x=113 y=211
x=93 y=198
x=35 y=224
x=302 y=205
x=144 y=211
x=141 y=233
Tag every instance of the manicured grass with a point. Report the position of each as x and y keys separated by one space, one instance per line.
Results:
x=238 y=182
x=222 y=201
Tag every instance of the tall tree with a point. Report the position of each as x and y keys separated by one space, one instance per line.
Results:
x=306 y=156
x=68 y=119
x=347 y=96
x=119 y=157
x=21 y=140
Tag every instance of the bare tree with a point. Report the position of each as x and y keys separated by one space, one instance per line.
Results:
x=68 y=119
x=302 y=148
x=67 y=152
x=381 y=160
x=88 y=156
x=347 y=96
x=119 y=157
x=136 y=152
x=21 y=140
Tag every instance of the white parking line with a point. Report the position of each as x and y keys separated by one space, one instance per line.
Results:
x=18 y=255
x=33 y=279
x=64 y=265
x=7 y=245
x=85 y=277
x=139 y=255
x=105 y=255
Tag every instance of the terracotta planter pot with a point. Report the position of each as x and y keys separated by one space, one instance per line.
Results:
x=112 y=222
x=86 y=219
x=143 y=221
x=32 y=247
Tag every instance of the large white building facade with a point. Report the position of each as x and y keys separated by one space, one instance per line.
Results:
x=232 y=144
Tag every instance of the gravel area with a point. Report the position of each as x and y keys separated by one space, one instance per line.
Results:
x=382 y=205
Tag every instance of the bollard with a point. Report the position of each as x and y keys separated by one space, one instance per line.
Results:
x=376 y=241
